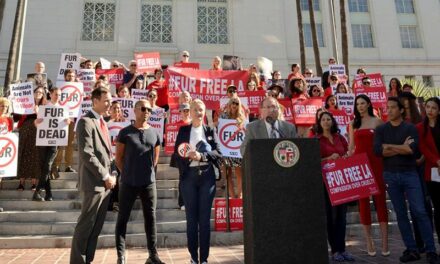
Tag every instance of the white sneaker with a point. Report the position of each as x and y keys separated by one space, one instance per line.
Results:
x=192 y=261
x=182 y=208
x=204 y=262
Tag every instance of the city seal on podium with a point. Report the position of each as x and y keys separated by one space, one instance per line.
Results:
x=286 y=154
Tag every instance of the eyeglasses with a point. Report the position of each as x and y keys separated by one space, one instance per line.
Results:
x=144 y=109
x=133 y=65
x=116 y=66
x=366 y=83
x=272 y=107
x=307 y=73
x=235 y=103
x=152 y=96
x=315 y=91
x=184 y=111
x=185 y=55
x=231 y=91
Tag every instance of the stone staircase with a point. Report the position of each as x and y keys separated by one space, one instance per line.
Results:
x=29 y=224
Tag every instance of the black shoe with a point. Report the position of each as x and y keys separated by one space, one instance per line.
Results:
x=432 y=258
x=154 y=259
x=121 y=260
x=34 y=187
x=70 y=169
x=20 y=187
x=48 y=198
x=409 y=255
x=37 y=197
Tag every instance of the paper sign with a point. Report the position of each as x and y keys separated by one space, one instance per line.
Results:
x=231 y=136
x=105 y=64
x=68 y=61
x=71 y=96
x=88 y=78
x=139 y=94
x=231 y=63
x=235 y=214
x=53 y=131
x=434 y=174
x=265 y=67
x=8 y=155
x=113 y=129
x=346 y=102
x=22 y=98
x=147 y=61
x=37 y=79
x=127 y=106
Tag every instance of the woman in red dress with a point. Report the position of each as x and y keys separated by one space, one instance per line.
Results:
x=361 y=141
x=161 y=87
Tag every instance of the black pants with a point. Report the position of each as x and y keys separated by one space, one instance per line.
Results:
x=47 y=157
x=180 y=196
x=127 y=197
x=336 y=224
x=434 y=192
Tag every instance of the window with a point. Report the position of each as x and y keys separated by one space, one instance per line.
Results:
x=427 y=80
x=358 y=6
x=156 y=21
x=404 y=6
x=212 y=22
x=410 y=37
x=362 y=37
x=304 y=4
x=308 y=35
x=98 y=21
x=410 y=77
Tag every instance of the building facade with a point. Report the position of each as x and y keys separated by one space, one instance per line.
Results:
x=398 y=38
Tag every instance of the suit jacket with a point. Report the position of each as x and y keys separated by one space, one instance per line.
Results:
x=183 y=136
x=257 y=130
x=94 y=154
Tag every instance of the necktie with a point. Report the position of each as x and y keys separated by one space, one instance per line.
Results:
x=105 y=133
x=273 y=132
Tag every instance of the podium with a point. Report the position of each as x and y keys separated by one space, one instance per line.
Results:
x=284 y=211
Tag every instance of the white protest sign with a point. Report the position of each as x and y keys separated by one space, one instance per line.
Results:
x=113 y=130
x=265 y=66
x=53 y=131
x=127 y=106
x=157 y=122
x=313 y=81
x=68 y=61
x=231 y=136
x=346 y=102
x=88 y=78
x=71 y=96
x=22 y=98
x=86 y=106
x=8 y=155
x=338 y=69
x=105 y=64
x=139 y=93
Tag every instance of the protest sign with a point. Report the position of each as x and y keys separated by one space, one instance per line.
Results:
x=284 y=83
x=338 y=69
x=114 y=76
x=8 y=155
x=343 y=120
x=105 y=64
x=187 y=65
x=147 y=61
x=265 y=66
x=171 y=131
x=85 y=107
x=88 y=78
x=235 y=214
x=231 y=135
x=349 y=179
x=346 y=102
x=253 y=98
x=157 y=121
x=22 y=98
x=127 y=106
x=71 y=96
x=313 y=81
x=377 y=91
x=174 y=116
x=113 y=130
x=375 y=78
x=287 y=109
x=37 y=79
x=304 y=111
x=139 y=94
x=68 y=61
x=209 y=86
x=53 y=131
x=231 y=63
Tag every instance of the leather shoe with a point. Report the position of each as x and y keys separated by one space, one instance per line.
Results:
x=121 y=260
x=37 y=197
x=70 y=169
x=154 y=259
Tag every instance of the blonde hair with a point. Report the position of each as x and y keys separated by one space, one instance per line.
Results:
x=213 y=63
x=4 y=101
x=195 y=103
x=240 y=115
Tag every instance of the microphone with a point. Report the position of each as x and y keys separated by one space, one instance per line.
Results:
x=272 y=121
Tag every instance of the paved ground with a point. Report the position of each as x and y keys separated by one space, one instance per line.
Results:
x=222 y=254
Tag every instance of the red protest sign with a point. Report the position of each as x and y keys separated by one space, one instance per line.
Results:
x=254 y=99
x=114 y=76
x=377 y=95
x=304 y=111
x=287 y=108
x=147 y=61
x=341 y=117
x=349 y=179
x=183 y=149
x=375 y=78
x=209 y=86
x=235 y=214
x=171 y=131
x=188 y=65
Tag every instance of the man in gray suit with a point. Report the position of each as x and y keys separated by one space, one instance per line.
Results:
x=269 y=125
x=95 y=180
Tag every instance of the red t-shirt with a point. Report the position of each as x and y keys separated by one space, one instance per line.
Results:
x=6 y=125
x=162 y=92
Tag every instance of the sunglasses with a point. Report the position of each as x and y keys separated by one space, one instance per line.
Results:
x=116 y=66
x=307 y=73
x=235 y=103
x=185 y=56
x=152 y=96
x=133 y=65
x=144 y=109
x=315 y=91
x=231 y=91
x=184 y=111
x=366 y=83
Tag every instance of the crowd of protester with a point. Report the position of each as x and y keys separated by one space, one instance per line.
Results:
x=404 y=151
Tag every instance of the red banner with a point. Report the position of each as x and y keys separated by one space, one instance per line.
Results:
x=304 y=111
x=349 y=179
x=171 y=131
x=287 y=108
x=114 y=76
x=147 y=61
x=174 y=116
x=208 y=86
x=188 y=65
x=376 y=80
x=254 y=99
x=235 y=214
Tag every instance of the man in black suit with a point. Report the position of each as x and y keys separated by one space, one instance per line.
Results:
x=95 y=180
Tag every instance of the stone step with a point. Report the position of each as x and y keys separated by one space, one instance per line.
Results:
x=132 y=240
x=357 y=229
x=7 y=184
x=163 y=158
x=29 y=205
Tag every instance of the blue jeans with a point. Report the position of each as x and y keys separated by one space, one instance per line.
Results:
x=198 y=193
x=407 y=183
